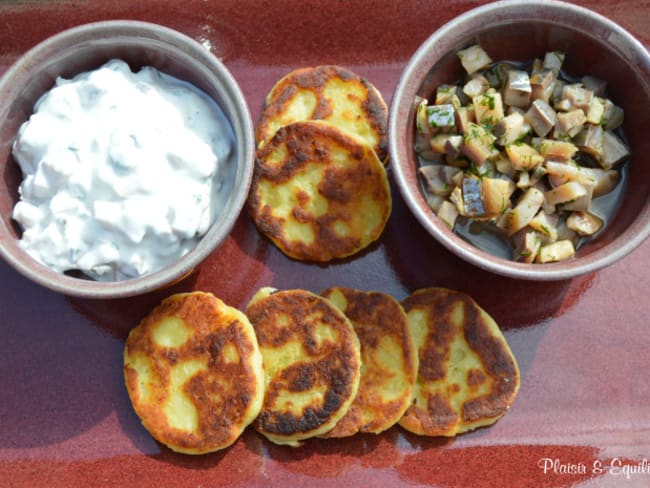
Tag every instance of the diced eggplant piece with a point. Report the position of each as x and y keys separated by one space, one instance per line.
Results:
x=570 y=123
x=517 y=91
x=556 y=251
x=488 y=108
x=582 y=203
x=421 y=122
x=602 y=180
x=441 y=117
x=523 y=180
x=613 y=116
x=614 y=150
x=536 y=66
x=554 y=150
x=597 y=86
x=584 y=223
x=511 y=128
x=439 y=178
x=560 y=172
x=503 y=165
x=526 y=251
x=474 y=58
x=435 y=201
x=423 y=148
x=478 y=144
x=541 y=117
x=553 y=60
x=477 y=85
x=459 y=161
x=556 y=94
x=591 y=140
x=545 y=224
x=525 y=210
x=448 y=144
x=536 y=176
x=447 y=95
x=578 y=96
x=542 y=85
x=523 y=156
x=464 y=117
x=473 y=197
x=497 y=74
x=448 y=213
x=496 y=195
x=568 y=192
x=456 y=197
x=596 y=112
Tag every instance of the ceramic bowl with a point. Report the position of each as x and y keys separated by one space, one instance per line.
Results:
x=87 y=47
x=522 y=31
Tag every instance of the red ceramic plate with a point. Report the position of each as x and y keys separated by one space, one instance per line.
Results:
x=582 y=415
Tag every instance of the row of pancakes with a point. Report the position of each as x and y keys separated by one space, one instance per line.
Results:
x=298 y=365
x=320 y=189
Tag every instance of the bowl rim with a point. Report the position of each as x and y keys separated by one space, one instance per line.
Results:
x=242 y=126
x=410 y=81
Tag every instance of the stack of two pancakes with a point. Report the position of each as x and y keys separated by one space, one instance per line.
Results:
x=320 y=189
x=299 y=365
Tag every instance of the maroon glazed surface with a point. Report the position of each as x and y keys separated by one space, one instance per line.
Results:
x=65 y=417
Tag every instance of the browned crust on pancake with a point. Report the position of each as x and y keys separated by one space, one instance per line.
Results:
x=375 y=315
x=314 y=79
x=334 y=364
x=310 y=143
x=440 y=418
x=220 y=423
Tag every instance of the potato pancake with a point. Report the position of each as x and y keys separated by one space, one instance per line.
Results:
x=193 y=371
x=312 y=362
x=388 y=361
x=318 y=193
x=467 y=375
x=330 y=93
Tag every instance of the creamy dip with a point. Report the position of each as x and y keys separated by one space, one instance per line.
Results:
x=123 y=172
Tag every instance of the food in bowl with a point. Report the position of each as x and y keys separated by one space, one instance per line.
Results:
x=123 y=172
x=522 y=152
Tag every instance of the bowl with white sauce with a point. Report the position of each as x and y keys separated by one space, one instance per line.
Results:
x=517 y=137
x=127 y=153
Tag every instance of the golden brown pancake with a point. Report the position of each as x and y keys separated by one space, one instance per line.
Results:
x=330 y=93
x=312 y=363
x=193 y=371
x=388 y=361
x=467 y=376
x=318 y=193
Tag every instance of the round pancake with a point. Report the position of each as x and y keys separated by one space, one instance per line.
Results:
x=194 y=373
x=330 y=93
x=318 y=193
x=388 y=361
x=467 y=376
x=312 y=363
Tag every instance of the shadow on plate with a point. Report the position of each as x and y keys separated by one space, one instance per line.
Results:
x=60 y=376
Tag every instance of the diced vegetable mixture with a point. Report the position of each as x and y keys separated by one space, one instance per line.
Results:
x=525 y=150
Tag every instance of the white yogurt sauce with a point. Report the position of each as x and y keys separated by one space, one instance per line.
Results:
x=122 y=172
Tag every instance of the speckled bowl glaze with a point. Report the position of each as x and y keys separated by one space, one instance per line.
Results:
x=523 y=30
x=87 y=47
